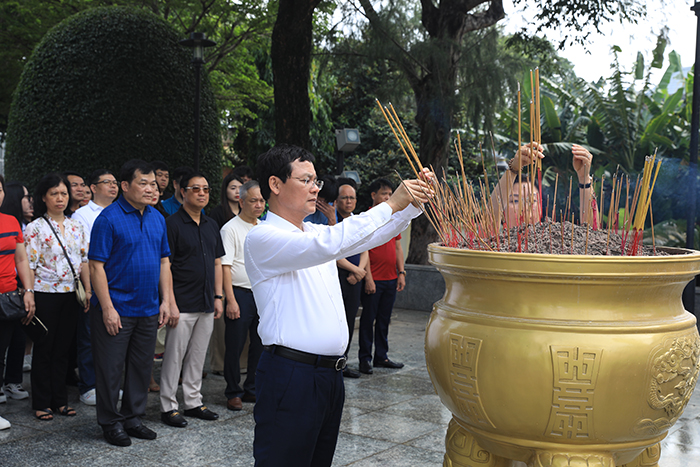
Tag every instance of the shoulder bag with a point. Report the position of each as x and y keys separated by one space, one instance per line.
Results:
x=80 y=294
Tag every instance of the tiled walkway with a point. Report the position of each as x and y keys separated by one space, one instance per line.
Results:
x=391 y=419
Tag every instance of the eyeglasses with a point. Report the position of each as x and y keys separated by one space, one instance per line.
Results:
x=347 y=198
x=306 y=180
x=108 y=182
x=197 y=189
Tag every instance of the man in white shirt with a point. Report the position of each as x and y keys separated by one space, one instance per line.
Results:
x=292 y=271
x=241 y=316
x=104 y=188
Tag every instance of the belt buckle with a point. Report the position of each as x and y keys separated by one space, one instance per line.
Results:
x=341 y=363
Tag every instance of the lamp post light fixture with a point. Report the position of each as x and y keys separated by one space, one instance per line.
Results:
x=197 y=42
x=346 y=140
x=689 y=292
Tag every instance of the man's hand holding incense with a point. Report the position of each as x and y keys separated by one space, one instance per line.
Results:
x=412 y=191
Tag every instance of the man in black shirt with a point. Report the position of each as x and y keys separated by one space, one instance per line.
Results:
x=196 y=252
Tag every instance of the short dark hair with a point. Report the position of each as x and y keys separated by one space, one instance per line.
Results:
x=185 y=180
x=128 y=170
x=243 y=171
x=47 y=182
x=329 y=192
x=160 y=165
x=346 y=181
x=66 y=173
x=96 y=174
x=380 y=183
x=180 y=172
x=278 y=162
x=12 y=204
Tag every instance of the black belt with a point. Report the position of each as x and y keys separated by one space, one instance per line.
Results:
x=336 y=363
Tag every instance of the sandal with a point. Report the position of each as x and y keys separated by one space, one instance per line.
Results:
x=66 y=411
x=44 y=415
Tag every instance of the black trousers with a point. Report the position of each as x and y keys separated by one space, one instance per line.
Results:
x=130 y=351
x=297 y=413
x=351 y=301
x=59 y=312
x=12 y=340
x=236 y=332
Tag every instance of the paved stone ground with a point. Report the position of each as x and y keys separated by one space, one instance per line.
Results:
x=391 y=419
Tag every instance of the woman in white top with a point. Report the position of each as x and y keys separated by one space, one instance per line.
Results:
x=54 y=286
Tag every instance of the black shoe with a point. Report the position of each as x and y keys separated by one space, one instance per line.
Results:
x=201 y=412
x=366 y=368
x=141 y=432
x=387 y=364
x=350 y=373
x=117 y=437
x=248 y=397
x=173 y=418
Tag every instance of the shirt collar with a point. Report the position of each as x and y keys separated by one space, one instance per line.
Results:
x=127 y=207
x=94 y=206
x=280 y=223
x=187 y=218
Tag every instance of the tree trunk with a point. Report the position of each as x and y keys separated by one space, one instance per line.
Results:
x=291 y=63
x=435 y=94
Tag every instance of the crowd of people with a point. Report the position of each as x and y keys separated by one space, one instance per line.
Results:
x=106 y=265
x=116 y=278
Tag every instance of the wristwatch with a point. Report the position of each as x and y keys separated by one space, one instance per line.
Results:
x=220 y=297
x=402 y=272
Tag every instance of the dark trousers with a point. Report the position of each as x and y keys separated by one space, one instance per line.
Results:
x=86 y=366
x=297 y=413
x=376 y=314
x=131 y=351
x=59 y=312
x=235 y=336
x=351 y=301
x=12 y=340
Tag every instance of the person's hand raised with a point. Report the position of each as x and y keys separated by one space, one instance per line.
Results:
x=413 y=191
x=582 y=161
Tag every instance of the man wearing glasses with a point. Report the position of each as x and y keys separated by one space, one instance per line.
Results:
x=128 y=267
x=195 y=265
x=104 y=189
x=292 y=270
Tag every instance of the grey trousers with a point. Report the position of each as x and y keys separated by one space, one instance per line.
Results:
x=131 y=352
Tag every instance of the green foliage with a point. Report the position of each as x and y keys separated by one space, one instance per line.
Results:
x=105 y=86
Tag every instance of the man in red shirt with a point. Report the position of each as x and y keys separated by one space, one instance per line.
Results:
x=385 y=276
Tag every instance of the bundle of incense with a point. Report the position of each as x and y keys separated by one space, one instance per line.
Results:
x=466 y=217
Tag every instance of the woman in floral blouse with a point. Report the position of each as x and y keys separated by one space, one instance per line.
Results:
x=54 y=286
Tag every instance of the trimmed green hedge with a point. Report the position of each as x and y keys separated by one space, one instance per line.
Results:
x=105 y=86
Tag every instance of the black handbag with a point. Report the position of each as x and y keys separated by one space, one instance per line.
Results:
x=36 y=330
x=11 y=306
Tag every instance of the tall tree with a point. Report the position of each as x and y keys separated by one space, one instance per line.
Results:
x=430 y=60
x=291 y=64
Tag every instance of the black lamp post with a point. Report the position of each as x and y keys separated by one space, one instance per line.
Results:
x=197 y=41
x=689 y=292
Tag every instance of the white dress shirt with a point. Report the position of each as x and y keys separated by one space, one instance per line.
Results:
x=295 y=280
x=87 y=215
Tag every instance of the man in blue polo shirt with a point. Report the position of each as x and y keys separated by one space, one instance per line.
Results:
x=128 y=266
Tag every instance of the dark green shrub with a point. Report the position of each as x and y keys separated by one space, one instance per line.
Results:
x=105 y=86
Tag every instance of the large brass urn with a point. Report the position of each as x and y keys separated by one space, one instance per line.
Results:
x=562 y=361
